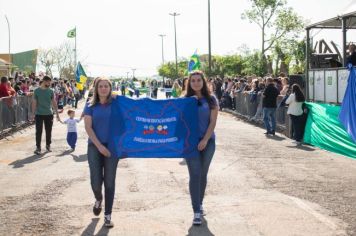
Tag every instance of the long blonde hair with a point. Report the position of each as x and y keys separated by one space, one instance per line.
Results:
x=95 y=99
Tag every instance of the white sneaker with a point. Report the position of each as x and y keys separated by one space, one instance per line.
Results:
x=107 y=221
x=197 y=219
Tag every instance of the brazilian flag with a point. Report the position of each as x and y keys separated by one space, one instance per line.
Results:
x=80 y=77
x=72 y=33
x=194 y=62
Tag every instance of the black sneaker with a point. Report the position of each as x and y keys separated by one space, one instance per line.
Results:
x=48 y=148
x=197 y=219
x=273 y=132
x=37 y=151
x=107 y=221
x=97 y=208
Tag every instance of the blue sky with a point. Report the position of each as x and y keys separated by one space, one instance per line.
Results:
x=117 y=35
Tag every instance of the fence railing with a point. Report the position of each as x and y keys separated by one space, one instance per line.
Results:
x=252 y=110
x=14 y=111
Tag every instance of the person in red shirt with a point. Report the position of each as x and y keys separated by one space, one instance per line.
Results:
x=4 y=88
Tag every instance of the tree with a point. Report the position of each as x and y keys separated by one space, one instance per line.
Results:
x=272 y=16
x=46 y=57
x=64 y=60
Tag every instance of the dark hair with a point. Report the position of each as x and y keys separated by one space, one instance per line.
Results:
x=299 y=96
x=204 y=91
x=4 y=79
x=46 y=78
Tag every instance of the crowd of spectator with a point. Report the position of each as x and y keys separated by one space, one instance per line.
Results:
x=22 y=85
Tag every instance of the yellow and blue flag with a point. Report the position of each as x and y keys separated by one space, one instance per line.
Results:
x=80 y=77
x=194 y=62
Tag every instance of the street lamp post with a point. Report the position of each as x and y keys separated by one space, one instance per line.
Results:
x=8 y=27
x=133 y=73
x=175 y=39
x=209 y=38
x=162 y=35
x=127 y=75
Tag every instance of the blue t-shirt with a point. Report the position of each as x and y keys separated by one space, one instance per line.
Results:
x=204 y=116
x=100 y=114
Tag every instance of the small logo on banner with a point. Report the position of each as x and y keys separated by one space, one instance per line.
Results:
x=160 y=129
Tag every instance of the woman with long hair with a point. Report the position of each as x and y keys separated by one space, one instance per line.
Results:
x=101 y=164
x=198 y=167
x=295 y=111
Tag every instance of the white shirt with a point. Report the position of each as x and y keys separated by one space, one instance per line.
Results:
x=295 y=108
x=71 y=124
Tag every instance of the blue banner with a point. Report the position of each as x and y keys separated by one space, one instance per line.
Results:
x=347 y=114
x=147 y=128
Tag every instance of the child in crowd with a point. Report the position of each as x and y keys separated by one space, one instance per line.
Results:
x=71 y=128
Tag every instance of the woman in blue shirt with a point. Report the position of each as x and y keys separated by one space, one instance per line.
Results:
x=207 y=116
x=101 y=164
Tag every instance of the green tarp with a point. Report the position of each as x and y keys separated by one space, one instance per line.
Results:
x=324 y=130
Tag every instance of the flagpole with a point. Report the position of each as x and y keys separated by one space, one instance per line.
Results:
x=75 y=49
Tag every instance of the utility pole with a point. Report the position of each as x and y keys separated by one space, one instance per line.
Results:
x=209 y=73
x=175 y=39
x=162 y=35
x=10 y=59
x=133 y=72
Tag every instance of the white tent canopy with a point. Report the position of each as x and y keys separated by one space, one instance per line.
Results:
x=336 y=22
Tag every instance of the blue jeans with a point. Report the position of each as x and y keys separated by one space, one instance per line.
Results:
x=269 y=119
x=72 y=139
x=102 y=169
x=198 y=168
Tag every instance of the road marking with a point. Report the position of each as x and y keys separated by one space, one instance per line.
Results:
x=316 y=214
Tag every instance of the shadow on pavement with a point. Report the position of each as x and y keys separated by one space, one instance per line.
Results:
x=21 y=163
x=202 y=230
x=275 y=137
x=90 y=229
x=305 y=148
x=66 y=152
x=80 y=158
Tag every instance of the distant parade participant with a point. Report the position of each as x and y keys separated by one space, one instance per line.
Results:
x=43 y=104
x=198 y=167
x=101 y=164
x=123 y=88
x=176 y=89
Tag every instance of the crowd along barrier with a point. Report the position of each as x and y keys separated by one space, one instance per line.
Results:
x=14 y=111
x=251 y=108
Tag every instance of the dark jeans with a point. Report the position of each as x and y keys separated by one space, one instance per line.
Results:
x=75 y=101
x=48 y=122
x=198 y=168
x=72 y=139
x=269 y=119
x=102 y=169
x=298 y=123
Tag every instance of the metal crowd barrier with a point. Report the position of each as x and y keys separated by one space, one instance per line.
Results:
x=253 y=109
x=14 y=111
